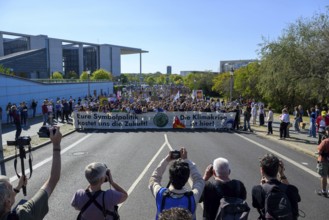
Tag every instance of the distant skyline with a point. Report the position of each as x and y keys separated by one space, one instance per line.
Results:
x=186 y=35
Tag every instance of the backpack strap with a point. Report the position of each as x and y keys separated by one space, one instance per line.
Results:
x=92 y=198
x=108 y=212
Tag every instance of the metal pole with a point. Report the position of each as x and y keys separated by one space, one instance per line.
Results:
x=231 y=88
x=2 y=165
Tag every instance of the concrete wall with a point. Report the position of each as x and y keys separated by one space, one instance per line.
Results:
x=105 y=57
x=116 y=61
x=55 y=55
x=38 y=42
x=17 y=90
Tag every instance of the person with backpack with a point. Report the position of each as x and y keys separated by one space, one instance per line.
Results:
x=217 y=192
x=93 y=202
x=275 y=198
x=35 y=208
x=175 y=194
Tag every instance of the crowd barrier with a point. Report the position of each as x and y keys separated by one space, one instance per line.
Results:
x=154 y=120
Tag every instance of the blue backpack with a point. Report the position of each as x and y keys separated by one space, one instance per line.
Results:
x=166 y=199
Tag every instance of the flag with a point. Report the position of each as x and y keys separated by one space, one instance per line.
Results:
x=193 y=94
x=176 y=96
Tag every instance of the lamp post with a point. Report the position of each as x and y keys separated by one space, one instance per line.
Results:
x=231 y=83
x=88 y=73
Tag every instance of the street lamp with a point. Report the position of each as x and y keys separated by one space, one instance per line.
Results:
x=231 y=83
x=88 y=73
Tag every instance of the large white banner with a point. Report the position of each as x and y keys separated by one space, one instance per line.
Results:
x=156 y=120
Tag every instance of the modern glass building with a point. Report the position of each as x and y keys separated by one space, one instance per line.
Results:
x=38 y=56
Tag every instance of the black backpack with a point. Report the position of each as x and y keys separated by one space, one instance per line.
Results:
x=232 y=208
x=277 y=205
x=92 y=199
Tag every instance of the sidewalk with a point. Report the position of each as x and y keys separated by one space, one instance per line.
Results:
x=298 y=141
x=34 y=124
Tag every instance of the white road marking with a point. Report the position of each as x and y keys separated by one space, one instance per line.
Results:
x=189 y=180
x=133 y=186
x=281 y=156
x=36 y=166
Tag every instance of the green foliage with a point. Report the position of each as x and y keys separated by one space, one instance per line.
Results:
x=5 y=70
x=295 y=68
x=221 y=84
x=246 y=81
x=56 y=75
x=84 y=76
x=72 y=75
x=101 y=74
x=176 y=79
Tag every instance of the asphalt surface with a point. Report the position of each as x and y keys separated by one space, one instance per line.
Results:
x=133 y=155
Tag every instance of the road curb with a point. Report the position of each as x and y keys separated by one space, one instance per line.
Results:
x=287 y=144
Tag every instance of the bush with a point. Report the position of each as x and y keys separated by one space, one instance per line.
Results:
x=56 y=75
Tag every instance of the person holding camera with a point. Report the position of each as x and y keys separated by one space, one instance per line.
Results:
x=221 y=186
x=175 y=194
x=37 y=207
x=94 y=203
x=272 y=171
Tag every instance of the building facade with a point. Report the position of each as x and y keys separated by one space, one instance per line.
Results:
x=38 y=56
x=15 y=90
x=229 y=65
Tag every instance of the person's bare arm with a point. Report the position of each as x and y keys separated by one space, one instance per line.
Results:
x=55 y=171
x=117 y=187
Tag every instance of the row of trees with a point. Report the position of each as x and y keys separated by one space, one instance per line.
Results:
x=99 y=74
x=292 y=70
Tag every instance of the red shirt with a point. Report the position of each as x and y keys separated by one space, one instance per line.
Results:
x=319 y=118
x=44 y=109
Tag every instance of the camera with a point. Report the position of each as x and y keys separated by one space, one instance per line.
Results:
x=21 y=141
x=175 y=154
x=44 y=131
x=107 y=175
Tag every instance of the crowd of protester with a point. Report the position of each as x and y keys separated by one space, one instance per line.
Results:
x=208 y=189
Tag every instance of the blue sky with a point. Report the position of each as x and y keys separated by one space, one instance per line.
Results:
x=187 y=35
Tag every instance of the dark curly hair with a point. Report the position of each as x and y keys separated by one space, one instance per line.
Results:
x=175 y=213
x=270 y=165
x=179 y=173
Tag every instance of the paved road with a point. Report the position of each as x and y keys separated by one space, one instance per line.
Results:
x=132 y=156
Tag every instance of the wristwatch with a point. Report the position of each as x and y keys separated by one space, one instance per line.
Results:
x=16 y=190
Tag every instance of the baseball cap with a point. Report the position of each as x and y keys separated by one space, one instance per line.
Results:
x=323 y=113
x=95 y=171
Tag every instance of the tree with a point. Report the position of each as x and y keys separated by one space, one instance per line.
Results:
x=56 y=75
x=295 y=68
x=246 y=81
x=84 y=76
x=101 y=74
x=5 y=70
x=221 y=84
x=72 y=75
